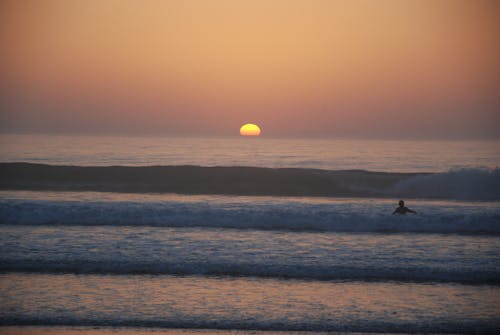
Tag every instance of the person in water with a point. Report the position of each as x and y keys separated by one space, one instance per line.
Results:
x=402 y=209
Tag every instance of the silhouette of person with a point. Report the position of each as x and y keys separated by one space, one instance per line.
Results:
x=402 y=209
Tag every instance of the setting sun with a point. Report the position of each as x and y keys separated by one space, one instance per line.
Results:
x=249 y=129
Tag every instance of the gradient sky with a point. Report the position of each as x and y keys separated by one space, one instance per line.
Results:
x=320 y=68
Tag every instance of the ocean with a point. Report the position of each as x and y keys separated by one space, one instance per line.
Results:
x=147 y=235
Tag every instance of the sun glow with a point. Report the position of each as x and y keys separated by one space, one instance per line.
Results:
x=249 y=129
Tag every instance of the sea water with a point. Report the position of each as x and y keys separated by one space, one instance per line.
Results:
x=170 y=263
x=330 y=154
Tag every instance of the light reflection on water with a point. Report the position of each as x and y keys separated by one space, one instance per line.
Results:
x=248 y=302
x=331 y=154
x=90 y=196
x=108 y=249
x=62 y=330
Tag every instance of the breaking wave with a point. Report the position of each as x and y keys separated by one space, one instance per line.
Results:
x=463 y=184
x=433 y=217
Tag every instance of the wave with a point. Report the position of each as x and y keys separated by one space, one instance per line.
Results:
x=265 y=215
x=465 y=184
x=291 y=271
x=280 y=325
x=461 y=184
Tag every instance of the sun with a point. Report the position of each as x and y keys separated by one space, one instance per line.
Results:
x=249 y=129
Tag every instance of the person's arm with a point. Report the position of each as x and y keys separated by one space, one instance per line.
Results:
x=395 y=211
x=412 y=211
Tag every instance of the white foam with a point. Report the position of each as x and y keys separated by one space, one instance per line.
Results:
x=352 y=216
x=459 y=184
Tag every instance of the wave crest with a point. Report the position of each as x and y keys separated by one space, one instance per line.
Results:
x=278 y=215
x=459 y=184
x=470 y=184
x=259 y=270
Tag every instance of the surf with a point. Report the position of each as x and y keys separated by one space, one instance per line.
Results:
x=370 y=216
x=462 y=184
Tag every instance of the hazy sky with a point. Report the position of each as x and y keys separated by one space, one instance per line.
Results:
x=295 y=67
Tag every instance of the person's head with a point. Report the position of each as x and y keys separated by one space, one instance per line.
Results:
x=401 y=203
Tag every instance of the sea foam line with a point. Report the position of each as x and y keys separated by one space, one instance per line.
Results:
x=294 y=216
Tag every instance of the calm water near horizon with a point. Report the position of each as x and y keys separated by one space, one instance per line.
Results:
x=106 y=263
x=330 y=154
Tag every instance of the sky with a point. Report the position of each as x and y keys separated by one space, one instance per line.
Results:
x=297 y=68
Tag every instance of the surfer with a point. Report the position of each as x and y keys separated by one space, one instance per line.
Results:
x=402 y=209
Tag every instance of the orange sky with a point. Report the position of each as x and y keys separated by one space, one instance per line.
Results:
x=360 y=68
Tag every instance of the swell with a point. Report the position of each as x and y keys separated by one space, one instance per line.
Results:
x=292 y=216
x=471 y=184
x=420 y=274
x=192 y=179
